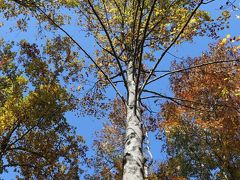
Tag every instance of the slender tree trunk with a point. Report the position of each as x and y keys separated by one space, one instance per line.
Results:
x=133 y=160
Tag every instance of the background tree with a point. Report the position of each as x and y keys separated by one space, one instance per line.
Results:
x=35 y=138
x=201 y=121
x=109 y=143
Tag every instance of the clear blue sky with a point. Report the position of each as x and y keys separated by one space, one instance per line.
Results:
x=88 y=125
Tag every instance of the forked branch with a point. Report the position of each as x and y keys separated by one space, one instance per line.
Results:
x=169 y=47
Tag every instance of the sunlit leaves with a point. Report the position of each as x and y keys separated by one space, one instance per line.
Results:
x=125 y=23
x=70 y=3
x=35 y=138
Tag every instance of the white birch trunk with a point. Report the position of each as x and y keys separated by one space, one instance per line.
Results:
x=133 y=161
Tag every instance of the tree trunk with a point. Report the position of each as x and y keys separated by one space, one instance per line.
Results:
x=133 y=160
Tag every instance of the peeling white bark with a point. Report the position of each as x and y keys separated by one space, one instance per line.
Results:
x=133 y=161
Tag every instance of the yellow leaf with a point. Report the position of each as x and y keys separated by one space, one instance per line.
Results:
x=223 y=41
x=228 y=36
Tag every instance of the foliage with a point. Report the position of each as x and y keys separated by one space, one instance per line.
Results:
x=35 y=137
x=109 y=144
x=202 y=125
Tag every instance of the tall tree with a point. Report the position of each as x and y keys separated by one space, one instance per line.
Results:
x=129 y=35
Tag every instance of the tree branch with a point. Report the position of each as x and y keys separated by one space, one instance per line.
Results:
x=111 y=43
x=176 y=100
x=141 y=50
x=78 y=45
x=192 y=67
x=158 y=95
x=169 y=47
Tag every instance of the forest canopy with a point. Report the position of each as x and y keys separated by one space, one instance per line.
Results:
x=82 y=60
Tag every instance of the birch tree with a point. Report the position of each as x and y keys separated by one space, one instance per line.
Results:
x=132 y=39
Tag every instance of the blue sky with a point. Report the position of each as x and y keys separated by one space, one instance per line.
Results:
x=86 y=126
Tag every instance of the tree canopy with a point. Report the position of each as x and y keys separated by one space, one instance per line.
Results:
x=35 y=137
x=202 y=122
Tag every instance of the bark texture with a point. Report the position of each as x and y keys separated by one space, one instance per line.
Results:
x=133 y=160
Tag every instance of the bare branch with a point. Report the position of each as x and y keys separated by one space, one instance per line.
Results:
x=115 y=82
x=192 y=67
x=208 y=2
x=119 y=74
x=176 y=100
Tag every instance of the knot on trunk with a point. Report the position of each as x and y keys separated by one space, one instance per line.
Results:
x=125 y=158
x=129 y=137
x=131 y=106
